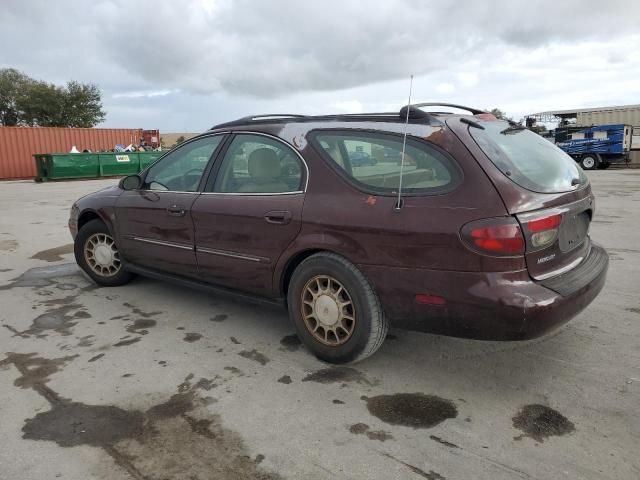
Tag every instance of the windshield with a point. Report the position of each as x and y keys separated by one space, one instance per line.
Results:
x=528 y=159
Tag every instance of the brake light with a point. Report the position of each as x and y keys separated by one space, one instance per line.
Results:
x=544 y=231
x=494 y=236
x=499 y=239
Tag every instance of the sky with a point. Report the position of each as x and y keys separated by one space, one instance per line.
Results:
x=183 y=66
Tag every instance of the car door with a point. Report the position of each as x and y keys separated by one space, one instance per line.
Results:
x=249 y=213
x=154 y=222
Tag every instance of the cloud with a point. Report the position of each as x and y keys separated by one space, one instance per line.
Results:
x=237 y=57
x=143 y=94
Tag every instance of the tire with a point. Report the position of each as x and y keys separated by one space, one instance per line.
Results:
x=346 y=340
x=590 y=162
x=104 y=265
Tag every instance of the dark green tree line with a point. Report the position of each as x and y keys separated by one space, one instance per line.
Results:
x=25 y=101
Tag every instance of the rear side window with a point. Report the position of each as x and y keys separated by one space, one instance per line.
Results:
x=373 y=161
x=528 y=159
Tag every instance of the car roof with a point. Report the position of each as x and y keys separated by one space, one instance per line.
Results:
x=409 y=113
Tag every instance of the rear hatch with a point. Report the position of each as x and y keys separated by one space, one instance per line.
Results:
x=543 y=188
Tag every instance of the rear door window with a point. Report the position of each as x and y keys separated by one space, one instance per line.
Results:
x=373 y=162
x=528 y=159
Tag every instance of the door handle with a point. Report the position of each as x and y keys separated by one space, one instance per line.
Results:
x=176 y=210
x=279 y=217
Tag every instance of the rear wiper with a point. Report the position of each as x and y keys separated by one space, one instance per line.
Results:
x=515 y=127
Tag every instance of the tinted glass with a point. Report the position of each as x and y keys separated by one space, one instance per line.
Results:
x=374 y=162
x=257 y=164
x=528 y=159
x=181 y=170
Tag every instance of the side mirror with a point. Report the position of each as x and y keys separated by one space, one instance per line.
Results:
x=132 y=182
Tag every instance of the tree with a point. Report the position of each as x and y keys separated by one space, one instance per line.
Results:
x=12 y=84
x=25 y=101
x=499 y=114
x=180 y=139
x=82 y=105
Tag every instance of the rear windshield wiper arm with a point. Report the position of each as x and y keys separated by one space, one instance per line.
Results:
x=513 y=129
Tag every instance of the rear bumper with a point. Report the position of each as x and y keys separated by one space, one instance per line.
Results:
x=488 y=306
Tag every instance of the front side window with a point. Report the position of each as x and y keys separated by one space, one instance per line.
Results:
x=182 y=169
x=259 y=164
x=373 y=161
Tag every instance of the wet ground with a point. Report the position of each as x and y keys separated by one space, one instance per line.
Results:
x=154 y=381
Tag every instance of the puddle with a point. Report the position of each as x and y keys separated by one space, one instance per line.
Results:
x=234 y=340
x=60 y=320
x=415 y=410
x=221 y=317
x=177 y=438
x=235 y=371
x=129 y=341
x=363 y=429
x=290 y=343
x=540 y=422
x=69 y=424
x=286 y=379
x=97 y=357
x=141 y=325
x=255 y=355
x=338 y=375
x=140 y=312
x=35 y=371
x=192 y=337
x=54 y=254
x=42 y=276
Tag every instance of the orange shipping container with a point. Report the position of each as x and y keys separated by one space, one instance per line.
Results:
x=18 y=144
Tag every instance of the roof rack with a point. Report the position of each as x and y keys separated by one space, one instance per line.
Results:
x=253 y=118
x=415 y=107
x=415 y=114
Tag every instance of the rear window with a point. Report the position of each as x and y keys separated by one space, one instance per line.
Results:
x=528 y=159
x=372 y=161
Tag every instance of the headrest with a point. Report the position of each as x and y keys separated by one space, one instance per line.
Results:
x=263 y=163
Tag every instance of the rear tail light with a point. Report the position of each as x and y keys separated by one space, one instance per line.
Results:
x=494 y=236
x=544 y=231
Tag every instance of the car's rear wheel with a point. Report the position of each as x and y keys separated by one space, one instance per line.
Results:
x=97 y=254
x=589 y=162
x=335 y=310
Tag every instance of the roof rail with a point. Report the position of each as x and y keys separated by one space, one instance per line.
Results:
x=415 y=107
x=252 y=118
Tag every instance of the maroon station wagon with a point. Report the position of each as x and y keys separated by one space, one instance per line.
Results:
x=487 y=239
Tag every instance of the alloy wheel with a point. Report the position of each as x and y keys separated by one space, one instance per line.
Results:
x=101 y=255
x=328 y=311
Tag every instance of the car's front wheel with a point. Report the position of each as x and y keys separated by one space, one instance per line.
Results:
x=97 y=254
x=335 y=310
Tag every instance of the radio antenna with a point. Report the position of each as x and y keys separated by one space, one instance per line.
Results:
x=404 y=144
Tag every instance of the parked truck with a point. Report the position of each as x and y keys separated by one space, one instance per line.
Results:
x=597 y=146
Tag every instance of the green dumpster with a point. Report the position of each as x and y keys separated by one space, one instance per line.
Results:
x=125 y=163
x=66 y=165
x=147 y=158
x=57 y=166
